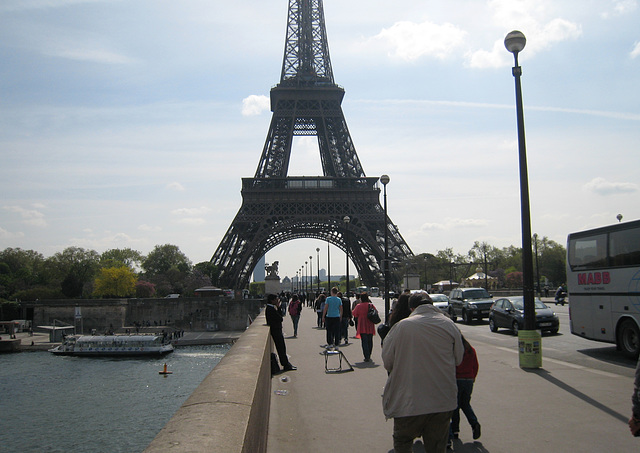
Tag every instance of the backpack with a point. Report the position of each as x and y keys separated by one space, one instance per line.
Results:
x=372 y=314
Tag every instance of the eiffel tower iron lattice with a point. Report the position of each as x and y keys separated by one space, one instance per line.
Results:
x=277 y=208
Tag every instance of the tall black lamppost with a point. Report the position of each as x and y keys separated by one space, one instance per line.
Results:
x=304 y=280
x=384 y=179
x=310 y=276
x=515 y=42
x=328 y=267
x=535 y=249
x=297 y=281
x=346 y=220
x=318 y=254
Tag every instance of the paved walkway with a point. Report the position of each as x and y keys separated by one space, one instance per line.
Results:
x=562 y=407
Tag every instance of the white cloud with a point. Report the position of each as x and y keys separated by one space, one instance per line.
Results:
x=452 y=223
x=533 y=18
x=193 y=221
x=410 y=41
x=19 y=5
x=29 y=216
x=149 y=228
x=604 y=187
x=175 y=186
x=4 y=234
x=636 y=50
x=191 y=211
x=255 y=105
x=620 y=8
x=92 y=56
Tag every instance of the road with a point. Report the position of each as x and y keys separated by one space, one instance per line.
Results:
x=563 y=346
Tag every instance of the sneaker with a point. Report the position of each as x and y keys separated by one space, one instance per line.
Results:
x=450 y=444
x=476 y=431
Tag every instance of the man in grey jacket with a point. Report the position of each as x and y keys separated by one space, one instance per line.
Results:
x=634 y=421
x=421 y=353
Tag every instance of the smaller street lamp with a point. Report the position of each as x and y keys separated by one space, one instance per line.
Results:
x=346 y=221
x=384 y=179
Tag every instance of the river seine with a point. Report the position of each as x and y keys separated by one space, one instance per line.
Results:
x=66 y=404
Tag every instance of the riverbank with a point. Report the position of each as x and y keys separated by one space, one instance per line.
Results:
x=25 y=341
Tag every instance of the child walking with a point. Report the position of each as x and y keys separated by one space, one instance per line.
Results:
x=466 y=374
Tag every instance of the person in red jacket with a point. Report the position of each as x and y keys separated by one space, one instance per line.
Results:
x=466 y=374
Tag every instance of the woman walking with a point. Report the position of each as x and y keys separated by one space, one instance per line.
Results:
x=365 y=328
x=295 y=309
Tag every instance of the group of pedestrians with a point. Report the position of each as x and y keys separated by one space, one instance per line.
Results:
x=425 y=396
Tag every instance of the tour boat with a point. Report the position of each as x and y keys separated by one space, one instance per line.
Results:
x=113 y=345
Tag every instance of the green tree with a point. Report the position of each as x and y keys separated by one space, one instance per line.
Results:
x=164 y=257
x=210 y=270
x=19 y=270
x=168 y=268
x=115 y=282
x=126 y=257
x=75 y=269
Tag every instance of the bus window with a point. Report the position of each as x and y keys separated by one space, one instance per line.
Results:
x=624 y=248
x=588 y=252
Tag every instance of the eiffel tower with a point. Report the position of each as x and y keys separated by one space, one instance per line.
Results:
x=277 y=208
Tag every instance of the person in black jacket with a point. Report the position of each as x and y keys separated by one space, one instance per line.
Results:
x=274 y=321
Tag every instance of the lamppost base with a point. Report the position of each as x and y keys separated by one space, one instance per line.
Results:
x=530 y=348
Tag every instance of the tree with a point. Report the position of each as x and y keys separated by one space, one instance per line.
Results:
x=115 y=282
x=167 y=267
x=210 y=270
x=514 y=279
x=19 y=270
x=145 y=289
x=74 y=268
x=126 y=257
x=164 y=257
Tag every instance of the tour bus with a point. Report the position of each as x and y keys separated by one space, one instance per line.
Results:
x=362 y=289
x=603 y=281
x=375 y=291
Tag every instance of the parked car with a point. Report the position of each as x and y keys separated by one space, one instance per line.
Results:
x=469 y=303
x=508 y=312
x=441 y=301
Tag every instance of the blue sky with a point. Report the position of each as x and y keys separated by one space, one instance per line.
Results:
x=131 y=123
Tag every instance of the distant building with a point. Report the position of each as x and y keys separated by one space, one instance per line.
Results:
x=259 y=272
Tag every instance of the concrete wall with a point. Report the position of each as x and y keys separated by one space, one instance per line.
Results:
x=229 y=411
x=188 y=313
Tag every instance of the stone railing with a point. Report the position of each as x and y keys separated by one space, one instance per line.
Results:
x=229 y=411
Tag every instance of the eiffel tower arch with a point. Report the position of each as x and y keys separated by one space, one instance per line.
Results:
x=277 y=208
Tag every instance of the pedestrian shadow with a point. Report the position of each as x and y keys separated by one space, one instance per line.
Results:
x=577 y=393
x=364 y=365
x=458 y=446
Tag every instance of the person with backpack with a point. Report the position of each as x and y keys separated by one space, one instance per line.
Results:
x=366 y=329
x=295 y=310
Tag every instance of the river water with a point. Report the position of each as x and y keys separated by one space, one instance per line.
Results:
x=66 y=404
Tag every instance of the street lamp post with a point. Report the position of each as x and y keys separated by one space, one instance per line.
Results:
x=310 y=276
x=515 y=42
x=306 y=276
x=346 y=220
x=535 y=248
x=328 y=267
x=529 y=341
x=384 y=179
x=318 y=254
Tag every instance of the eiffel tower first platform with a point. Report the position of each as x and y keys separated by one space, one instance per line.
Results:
x=277 y=208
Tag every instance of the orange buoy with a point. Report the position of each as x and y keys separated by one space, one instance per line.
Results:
x=164 y=372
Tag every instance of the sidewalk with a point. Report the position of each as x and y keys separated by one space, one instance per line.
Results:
x=560 y=408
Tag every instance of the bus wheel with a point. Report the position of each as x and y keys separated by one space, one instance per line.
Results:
x=629 y=338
